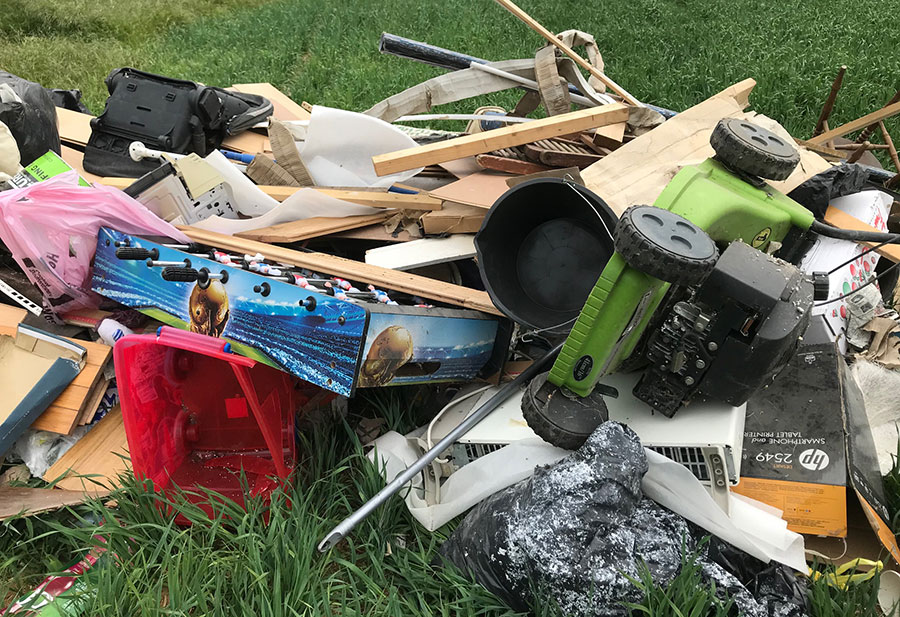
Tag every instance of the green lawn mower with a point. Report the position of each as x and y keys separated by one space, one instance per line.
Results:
x=689 y=289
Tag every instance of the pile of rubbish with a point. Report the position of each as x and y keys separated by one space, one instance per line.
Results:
x=659 y=333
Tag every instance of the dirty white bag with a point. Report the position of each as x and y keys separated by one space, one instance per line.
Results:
x=340 y=145
x=752 y=527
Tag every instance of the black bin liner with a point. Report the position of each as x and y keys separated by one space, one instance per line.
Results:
x=31 y=120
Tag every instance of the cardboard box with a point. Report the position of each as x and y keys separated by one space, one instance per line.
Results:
x=808 y=448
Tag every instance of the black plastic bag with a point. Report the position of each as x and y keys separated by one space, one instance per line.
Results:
x=840 y=180
x=69 y=99
x=578 y=529
x=31 y=119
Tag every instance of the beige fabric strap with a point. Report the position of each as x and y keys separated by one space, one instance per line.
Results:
x=554 y=92
x=574 y=38
x=285 y=152
x=264 y=170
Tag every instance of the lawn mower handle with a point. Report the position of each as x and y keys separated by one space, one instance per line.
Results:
x=344 y=527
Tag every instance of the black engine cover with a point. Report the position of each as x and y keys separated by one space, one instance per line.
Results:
x=732 y=338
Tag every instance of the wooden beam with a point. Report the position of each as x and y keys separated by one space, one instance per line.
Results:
x=304 y=229
x=859 y=123
x=27 y=501
x=552 y=38
x=867 y=132
x=454 y=218
x=285 y=108
x=892 y=151
x=351 y=270
x=821 y=124
x=506 y=137
x=842 y=220
x=373 y=199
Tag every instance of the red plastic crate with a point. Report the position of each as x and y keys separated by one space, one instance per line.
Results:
x=196 y=415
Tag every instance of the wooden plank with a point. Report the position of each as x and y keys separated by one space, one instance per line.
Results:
x=509 y=165
x=98 y=453
x=841 y=219
x=480 y=190
x=75 y=159
x=74 y=127
x=609 y=136
x=506 y=137
x=351 y=270
x=284 y=107
x=27 y=501
x=424 y=252
x=248 y=142
x=454 y=218
x=373 y=199
x=304 y=229
x=859 y=123
x=374 y=233
x=553 y=39
x=92 y=404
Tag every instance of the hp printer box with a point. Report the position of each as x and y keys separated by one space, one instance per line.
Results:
x=808 y=447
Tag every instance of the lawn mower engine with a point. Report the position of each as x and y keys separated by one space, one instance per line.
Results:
x=727 y=337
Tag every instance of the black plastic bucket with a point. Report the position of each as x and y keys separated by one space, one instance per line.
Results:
x=541 y=249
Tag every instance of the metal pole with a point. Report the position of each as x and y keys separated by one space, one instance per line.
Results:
x=344 y=527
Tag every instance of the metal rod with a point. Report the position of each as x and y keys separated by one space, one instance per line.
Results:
x=346 y=526
x=528 y=83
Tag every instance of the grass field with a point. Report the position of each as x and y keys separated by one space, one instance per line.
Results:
x=672 y=53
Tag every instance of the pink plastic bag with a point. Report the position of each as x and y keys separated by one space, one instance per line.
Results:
x=51 y=229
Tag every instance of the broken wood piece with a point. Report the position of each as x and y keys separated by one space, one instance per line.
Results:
x=424 y=252
x=74 y=127
x=821 y=123
x=822 y=150
x=610 y=137
x=858 y=152
x=859 y=123
x=248 y=142
x=373 y=199
x=374 y=233
x=562 y=153
x=842 y=220
x=571 y=174
x=454 y=218
x=552 y=38
x=315 y=227
x=509 y=165
x=514 y=135
x=480 y=190
x=892 y=151
x=99 y=454
x=20 y=500
x=284 y=108
x=855 y=146
x=351 y=270
x=867 y=132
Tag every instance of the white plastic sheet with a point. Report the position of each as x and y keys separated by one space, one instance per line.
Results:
x=305 y=203
x=752 y=527
x=340 y=145
x=249 y=200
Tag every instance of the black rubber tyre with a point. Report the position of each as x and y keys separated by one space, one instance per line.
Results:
x=559 y=420
x=665 y=245
x=751 y=149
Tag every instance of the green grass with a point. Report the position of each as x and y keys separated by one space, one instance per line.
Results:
x=673 y=53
